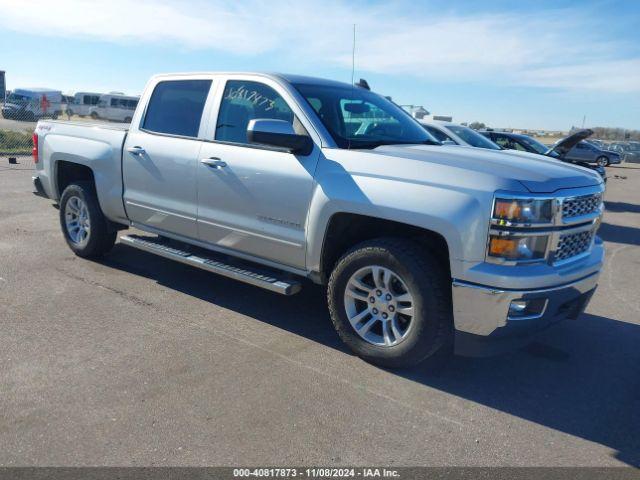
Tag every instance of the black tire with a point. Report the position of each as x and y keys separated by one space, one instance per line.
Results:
x=603 y=161
x=127 y=120
x=94 y=115
x=101 y=237
x=424 y=277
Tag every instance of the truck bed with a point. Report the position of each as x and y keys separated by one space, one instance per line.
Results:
x=95 y=145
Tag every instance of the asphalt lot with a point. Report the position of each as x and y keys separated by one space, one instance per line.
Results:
x=136 y=360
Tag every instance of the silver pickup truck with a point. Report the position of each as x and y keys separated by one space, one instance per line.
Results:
x=270 y=179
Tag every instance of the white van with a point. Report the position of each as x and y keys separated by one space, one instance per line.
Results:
x=31 y=104
x=115 y=107
x=82 y=103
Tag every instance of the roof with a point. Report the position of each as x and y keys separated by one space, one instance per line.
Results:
x=508 y=134
x=303 y=79
x=37 y=90
x=289 y=78
x=438 y=122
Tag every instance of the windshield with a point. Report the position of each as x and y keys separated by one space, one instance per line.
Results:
x=536 y=145
x=15 y=98
x=472 y=137
x=358 y=118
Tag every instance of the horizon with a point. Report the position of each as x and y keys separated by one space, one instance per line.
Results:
x=536 y=67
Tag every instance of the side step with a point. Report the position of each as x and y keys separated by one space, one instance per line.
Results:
x=212 y=262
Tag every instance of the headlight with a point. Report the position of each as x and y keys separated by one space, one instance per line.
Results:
x=507 y=211
x=518 y=248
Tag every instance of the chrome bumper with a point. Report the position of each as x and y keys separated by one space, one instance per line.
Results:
x=485 y=311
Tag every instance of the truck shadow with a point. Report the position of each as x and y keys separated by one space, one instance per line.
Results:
x=581 y=377
x=619 y=234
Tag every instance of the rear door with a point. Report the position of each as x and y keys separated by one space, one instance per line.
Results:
x=160 y=157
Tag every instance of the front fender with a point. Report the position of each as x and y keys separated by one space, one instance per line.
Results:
x=460 y=217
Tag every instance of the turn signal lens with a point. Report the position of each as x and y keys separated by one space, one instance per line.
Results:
x=518 y=248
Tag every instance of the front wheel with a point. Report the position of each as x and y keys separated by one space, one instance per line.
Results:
x=390 y=302
x=83 y=224
x=602 y=161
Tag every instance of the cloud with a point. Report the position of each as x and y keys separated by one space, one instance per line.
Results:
x=548 y=48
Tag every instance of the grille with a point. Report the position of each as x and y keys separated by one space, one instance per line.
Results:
x=573 y=244
x=578 y=206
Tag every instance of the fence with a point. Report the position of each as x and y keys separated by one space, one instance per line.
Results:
x=22 y=109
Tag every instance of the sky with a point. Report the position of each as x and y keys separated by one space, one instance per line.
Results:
x=524 y=64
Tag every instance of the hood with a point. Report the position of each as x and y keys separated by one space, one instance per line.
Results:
x=13 y=106
x=537 y=173
x=563 y=146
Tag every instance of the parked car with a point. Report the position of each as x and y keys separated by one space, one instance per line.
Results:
x=82 y=104
x=31 y=104
x=115 y=107
x=419 y=244
x=585 y=151
x=457 y=134
x=524 y=143
x=629 y=151
x=452 y=133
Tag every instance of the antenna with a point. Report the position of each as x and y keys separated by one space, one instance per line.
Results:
x=353 y=56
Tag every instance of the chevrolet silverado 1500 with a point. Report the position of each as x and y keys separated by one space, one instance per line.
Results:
x=270 y=178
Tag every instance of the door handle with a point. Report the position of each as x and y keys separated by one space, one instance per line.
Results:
x=213 y=162
x=136 y=150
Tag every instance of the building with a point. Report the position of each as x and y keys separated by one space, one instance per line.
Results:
x=420 y=113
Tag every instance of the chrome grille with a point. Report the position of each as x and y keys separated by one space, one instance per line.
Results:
x=573 y=244
x=579 y=206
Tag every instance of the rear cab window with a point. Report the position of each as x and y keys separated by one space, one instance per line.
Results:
x=176 y=106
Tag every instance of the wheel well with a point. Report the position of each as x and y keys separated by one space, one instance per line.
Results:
x=346 y=230
x=69 y=172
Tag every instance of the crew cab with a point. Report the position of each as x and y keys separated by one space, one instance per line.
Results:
x=270 y=179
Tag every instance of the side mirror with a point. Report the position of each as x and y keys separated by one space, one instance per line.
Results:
x=448 y=142
x=278 y=133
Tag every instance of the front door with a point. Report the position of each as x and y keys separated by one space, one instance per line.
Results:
x=252 y=199
x=160 y=158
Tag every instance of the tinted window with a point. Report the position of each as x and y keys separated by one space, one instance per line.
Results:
x=534 y=145
x=503 y=141
x=472 y=137
x=440 y=136
x=176 y=107
x=243 y=101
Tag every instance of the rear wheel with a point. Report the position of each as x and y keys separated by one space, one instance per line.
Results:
x=390 y=302
x=602 y=161
x=94 y=115
x=83 y=224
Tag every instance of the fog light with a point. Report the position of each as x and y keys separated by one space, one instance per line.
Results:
x=522 y=309
x=517 y=307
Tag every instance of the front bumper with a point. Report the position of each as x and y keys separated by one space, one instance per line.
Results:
x=482 y=314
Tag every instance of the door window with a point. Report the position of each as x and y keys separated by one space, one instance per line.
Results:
x=175 y=107
x=243 y=101
x=504 y=142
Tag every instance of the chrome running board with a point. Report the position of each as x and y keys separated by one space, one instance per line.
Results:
x=212 y=262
